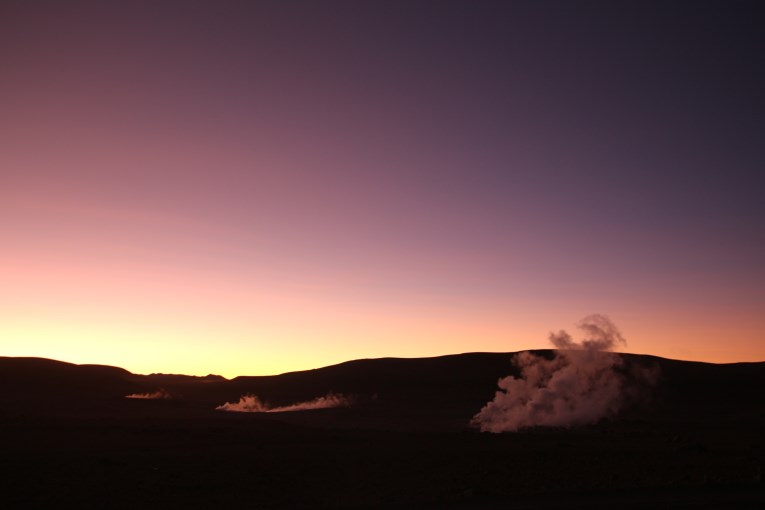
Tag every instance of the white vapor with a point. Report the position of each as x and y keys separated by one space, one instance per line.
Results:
x=157 y=395
x=578 y=386
x=327 y=401
x=252 y=404
x=246 y=404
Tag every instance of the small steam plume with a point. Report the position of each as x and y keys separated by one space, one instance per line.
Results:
x=252 y=404
x=580 y=384
x=327 y=401
x=160 y=394
x=246 y=404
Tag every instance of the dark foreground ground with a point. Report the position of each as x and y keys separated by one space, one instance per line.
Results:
x=73 y=441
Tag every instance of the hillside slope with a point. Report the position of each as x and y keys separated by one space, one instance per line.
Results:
x=422 y=393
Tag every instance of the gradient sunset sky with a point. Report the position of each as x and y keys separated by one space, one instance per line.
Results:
x=254 y=187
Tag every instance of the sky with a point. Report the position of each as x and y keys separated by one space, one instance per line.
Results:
x=248 y=188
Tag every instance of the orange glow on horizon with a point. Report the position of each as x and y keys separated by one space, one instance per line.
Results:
x=182 y=193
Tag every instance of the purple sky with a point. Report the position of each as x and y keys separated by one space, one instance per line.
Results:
x=267 y=186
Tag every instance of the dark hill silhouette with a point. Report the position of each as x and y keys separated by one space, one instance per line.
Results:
x=400 y=393
x=41 y=386
x=48 y=369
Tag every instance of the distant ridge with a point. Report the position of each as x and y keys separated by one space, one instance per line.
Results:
x=436 y=392
x=36 y=369
x=30 y=365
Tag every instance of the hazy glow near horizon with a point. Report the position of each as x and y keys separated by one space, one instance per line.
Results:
x=259 y=189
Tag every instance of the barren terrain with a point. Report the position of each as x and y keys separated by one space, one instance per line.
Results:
x=70 y=439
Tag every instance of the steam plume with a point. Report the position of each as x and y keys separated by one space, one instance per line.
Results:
x=252 y=404
x=246 y=404
x=578 y=386
x=329 y=400
x=157 y=395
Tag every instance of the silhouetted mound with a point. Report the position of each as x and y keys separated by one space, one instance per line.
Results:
x=29 y=370
x=46 y=386
x=692 y=390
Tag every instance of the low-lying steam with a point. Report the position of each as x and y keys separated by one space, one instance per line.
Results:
x=327 y=401
x=157 y=395
x=579 y=385
x=252 y=404
x=246 y=404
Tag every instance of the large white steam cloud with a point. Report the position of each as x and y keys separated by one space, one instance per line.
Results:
x=252 y=404
x=578 y=386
